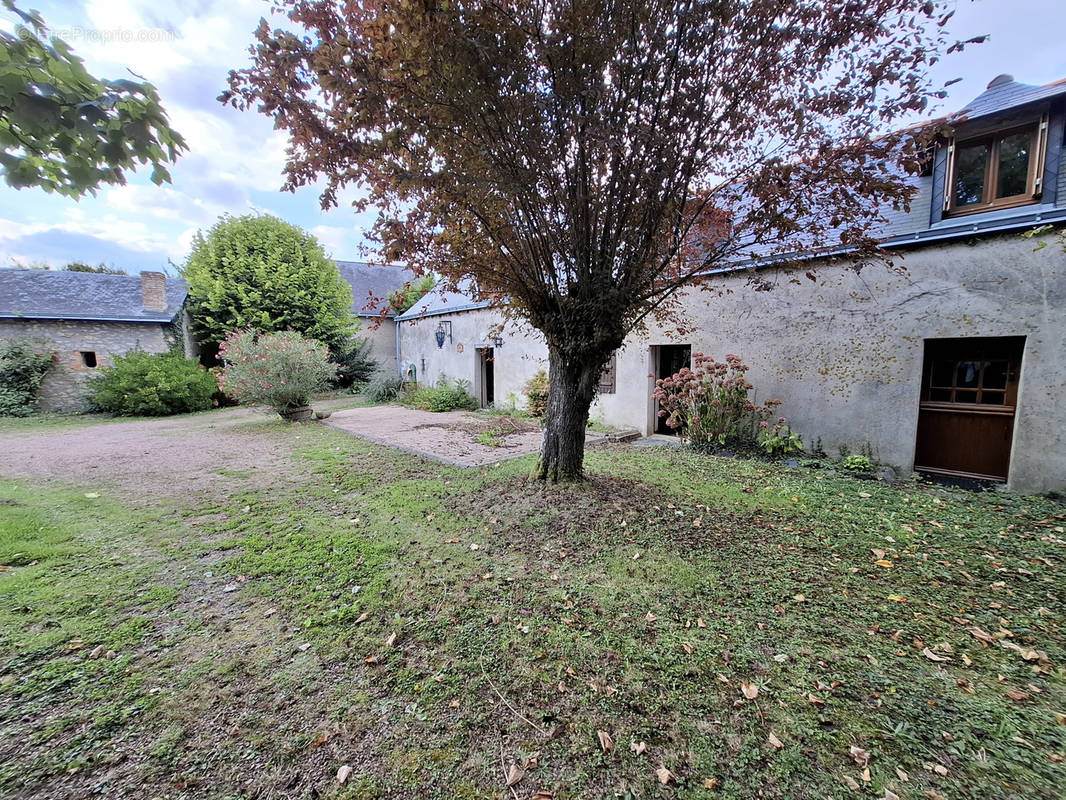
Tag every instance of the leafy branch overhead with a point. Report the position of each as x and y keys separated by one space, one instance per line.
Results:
x=64 y=130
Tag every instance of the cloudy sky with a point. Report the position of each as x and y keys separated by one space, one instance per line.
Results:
x=235 y=159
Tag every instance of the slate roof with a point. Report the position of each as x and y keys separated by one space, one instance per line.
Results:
x=48 y=294
x=372 y=280
x=440 y=301
x=1004 y=93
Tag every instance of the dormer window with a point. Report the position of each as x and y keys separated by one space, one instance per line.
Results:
x=997 y=170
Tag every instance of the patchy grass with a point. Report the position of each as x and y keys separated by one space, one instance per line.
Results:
x=746 y=630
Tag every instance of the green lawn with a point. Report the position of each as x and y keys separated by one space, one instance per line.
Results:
x=677 y=626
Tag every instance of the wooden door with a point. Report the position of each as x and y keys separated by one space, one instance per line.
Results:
x=969 y=398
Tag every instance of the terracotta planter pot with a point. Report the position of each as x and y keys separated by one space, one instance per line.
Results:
x=297 y=414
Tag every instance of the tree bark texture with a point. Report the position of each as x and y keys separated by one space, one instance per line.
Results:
x=573 y=382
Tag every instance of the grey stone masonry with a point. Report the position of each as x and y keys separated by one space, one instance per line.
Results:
x=81 y=348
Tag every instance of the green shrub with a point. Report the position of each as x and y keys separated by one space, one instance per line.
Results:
x=857 y=463
x=354 y=365
x=778 y=439
x=281 y=370
x=23 y=364
x=536 y=390
x=143 y=384
x=383 y=387
x=257 y=271
x=442 y=396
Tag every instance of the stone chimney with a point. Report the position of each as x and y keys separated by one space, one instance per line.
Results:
x=154 y=290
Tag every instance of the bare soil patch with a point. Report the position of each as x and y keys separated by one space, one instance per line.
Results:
x=449 y=437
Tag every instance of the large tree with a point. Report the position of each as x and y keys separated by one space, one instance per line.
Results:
x=258 y=271
x=584 y=159
x=66 y=131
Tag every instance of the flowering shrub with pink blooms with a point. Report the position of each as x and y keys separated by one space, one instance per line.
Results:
x=709 y=404
x=282 y=370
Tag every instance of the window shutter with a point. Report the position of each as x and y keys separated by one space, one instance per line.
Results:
x=1041 y=151
x=949 y=174
x=607 y=377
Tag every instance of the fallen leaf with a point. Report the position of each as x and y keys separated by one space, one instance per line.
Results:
x=799 y=598
x=606 y=742
x=320 y=740
x=1027 y=653
x=650 y=617
x=475 y=547
x=391 y=640
x=903 y=776
x=700 y=623
x=362 y=618
x=1018 y=695
x=933 y=656
x=688 y=648
x=515 y=774
x=883 y=562
x=92 y=495
x=542 y=795
x=859 y=756
x=343 y=774
x=777 y=743
x=890 y=795
x=865 y=494
x=851 y=783
x=638 y=747
x=710 y=783
x=664 y=775
x=749 y=690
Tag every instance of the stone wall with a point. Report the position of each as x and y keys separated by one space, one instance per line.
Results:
x=382 y=341
x=63 y=388
x=844 y=352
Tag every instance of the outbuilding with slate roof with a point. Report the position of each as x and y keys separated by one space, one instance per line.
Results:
x=87 y=319
x=371 y=285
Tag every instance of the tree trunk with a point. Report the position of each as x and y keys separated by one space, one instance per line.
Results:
x=573 y=382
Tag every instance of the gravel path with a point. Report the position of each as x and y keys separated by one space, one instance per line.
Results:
x=449 y=437
x=147 y=458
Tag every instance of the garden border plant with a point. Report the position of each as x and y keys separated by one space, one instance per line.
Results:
x=709 y=406
x=23 y=365
x=283 y=370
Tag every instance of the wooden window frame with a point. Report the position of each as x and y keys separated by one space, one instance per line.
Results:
x=1034 y=185
x=609 y=376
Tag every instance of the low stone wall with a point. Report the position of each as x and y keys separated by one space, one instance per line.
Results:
x=63 y=388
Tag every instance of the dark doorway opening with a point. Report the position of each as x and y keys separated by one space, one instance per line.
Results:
x=486 y=381
x=968 y=403
x=669 y=359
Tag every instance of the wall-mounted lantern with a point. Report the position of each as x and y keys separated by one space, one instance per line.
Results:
x=444 y=332
x=497 y=341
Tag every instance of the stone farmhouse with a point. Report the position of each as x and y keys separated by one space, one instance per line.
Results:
x=89 y=318
x=955 y=365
